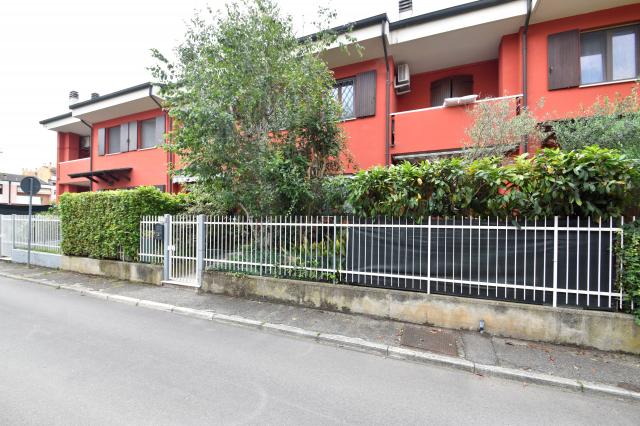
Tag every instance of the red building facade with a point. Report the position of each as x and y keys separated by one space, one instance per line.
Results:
x=567 y=54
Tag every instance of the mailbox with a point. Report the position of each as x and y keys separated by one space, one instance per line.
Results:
x=158 y=231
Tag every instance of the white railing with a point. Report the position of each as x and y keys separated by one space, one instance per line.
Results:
x=151 y=248
x=555 y=261
x=46 y=234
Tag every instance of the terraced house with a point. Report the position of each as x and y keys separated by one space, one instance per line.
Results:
x=407 y=96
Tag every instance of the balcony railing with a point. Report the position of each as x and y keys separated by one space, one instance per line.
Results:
x=436 y=129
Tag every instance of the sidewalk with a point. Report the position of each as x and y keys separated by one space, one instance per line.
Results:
x=621 y=371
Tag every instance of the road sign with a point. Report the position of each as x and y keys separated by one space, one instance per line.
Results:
x=30 y=185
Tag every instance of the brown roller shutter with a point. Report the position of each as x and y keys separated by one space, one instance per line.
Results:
x=101 y=141
x=365 y=101
x=461 y=85
x=440 y=90
x=563 y=53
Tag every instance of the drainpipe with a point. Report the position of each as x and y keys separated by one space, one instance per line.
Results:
x=525 y=142
x=90 y=152
x=168 y=189
x=386 y=94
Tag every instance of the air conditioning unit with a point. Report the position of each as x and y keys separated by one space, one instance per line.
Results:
x=403 y=77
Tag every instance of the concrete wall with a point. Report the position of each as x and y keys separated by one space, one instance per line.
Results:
x=601 y=330
x=48 y=260
x=129 y=271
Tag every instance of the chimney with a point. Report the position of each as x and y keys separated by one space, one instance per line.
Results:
x=95 y=95
x=405 y=8
x=73 y=97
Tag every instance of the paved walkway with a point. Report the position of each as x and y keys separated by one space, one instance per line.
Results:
x=621 y=370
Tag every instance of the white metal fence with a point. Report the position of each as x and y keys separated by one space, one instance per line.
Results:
x=554 y=261
x=151 y=249
x=46 y=234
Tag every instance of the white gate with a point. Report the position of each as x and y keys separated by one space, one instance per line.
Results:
x=183 y=249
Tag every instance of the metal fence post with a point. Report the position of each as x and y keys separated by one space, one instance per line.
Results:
x=262 y=230
x=428 y=256
x=166 y=270
x=335 y=226
x=555 y=261
x=200 y=235
x=13 y=231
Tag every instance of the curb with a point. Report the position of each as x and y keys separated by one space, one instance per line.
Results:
x=356 y=343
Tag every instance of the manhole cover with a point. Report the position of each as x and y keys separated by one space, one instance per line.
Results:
x=430 y=339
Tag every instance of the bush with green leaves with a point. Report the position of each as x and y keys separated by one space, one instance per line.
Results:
x=104 y=224
x=609 y=123
x=497 y=130
x=629 y=254
x=590 y=182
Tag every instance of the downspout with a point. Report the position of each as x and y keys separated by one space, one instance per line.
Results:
x=525 y=140
x=386 y=94
x=169 y=186
x=90 y=152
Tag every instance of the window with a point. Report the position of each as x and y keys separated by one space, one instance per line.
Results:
x=450 y=87
x=113 y=141
x=609 y=55
x=343 y=91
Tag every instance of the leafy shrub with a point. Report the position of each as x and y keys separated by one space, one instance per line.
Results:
x=590 y=182
x=609 y=123
x=629 y=255
x=102 y=224
x=497 y=130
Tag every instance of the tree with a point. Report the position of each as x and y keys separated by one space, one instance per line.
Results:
x=256 y=124
x=608 y=123
x=497 y=130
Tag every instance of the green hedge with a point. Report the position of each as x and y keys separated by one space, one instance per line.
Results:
x=589 y=182
x=629 y=254
x=100 y=224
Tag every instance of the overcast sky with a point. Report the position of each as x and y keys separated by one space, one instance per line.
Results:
x=49 y=47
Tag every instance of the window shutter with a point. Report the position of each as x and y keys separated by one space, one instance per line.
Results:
x=159 y=130
x=461 y=85
x=563 y=53
x=365 y=94
x=101 y=141
x=440 y=90
x=124 y=137
x=133 y=135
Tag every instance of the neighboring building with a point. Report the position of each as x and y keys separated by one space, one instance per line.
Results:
x=13 y=200
x=567 y=52
x=46 y=173
x=112 y=141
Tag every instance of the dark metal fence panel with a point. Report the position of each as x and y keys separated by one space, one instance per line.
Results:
x=553 y=261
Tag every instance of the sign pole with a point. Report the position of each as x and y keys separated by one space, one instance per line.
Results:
x=29 y=230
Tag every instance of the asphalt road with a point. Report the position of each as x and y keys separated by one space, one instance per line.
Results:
x=68 y=359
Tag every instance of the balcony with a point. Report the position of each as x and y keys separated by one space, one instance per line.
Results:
x=435 y=130
x=73 y=166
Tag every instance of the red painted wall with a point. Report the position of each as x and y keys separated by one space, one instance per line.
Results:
x=485 y=83
x=149 y=166
x=365 y=136
x=510 y=65
x=560 y=103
